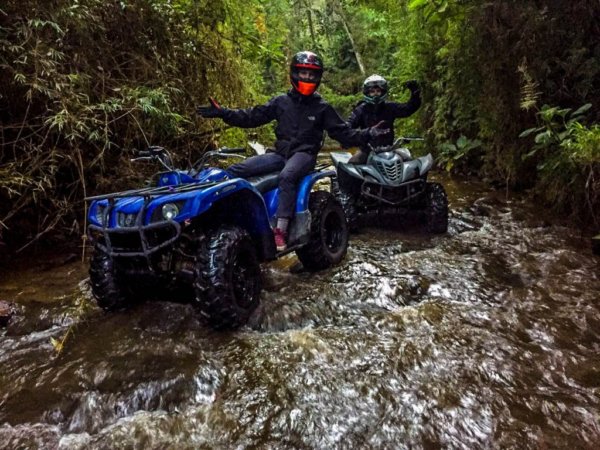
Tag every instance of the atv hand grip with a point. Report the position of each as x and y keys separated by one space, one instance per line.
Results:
x=228 y=151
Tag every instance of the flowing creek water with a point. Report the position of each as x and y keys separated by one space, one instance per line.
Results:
x=486 y=337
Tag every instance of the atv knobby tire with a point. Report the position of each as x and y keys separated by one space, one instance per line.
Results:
x=227 y=281
x=328 y=240
x=106 y=289
x=436 y=211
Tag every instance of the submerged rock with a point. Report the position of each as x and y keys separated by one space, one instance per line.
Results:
x=596 y=245
x=5 y=313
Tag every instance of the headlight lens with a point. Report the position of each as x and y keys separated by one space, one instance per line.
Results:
x=100 y=216
x=170 y=211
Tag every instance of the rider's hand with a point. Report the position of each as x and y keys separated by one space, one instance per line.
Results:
x=411 y=85
x=209 y=111
x=377 y=130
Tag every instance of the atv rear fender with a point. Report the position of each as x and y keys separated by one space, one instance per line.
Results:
x=306 y=186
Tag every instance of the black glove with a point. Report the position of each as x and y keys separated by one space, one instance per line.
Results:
x=209 y=111
x=376 y=130
x=411 y=85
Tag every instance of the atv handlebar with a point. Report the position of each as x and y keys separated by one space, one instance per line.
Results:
x=402 y=139
x=160 y=154
x=397 y=143
x=223 y=152
x=154 y=153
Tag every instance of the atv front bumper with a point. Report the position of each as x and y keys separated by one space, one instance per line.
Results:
x=143 y=240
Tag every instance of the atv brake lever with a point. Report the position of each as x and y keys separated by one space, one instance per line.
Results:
x=143 y=158
x=229 y=151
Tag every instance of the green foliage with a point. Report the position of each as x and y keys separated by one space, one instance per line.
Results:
x=584 y=145
x=452 y=154
x=84 y=81
x=556 y=127
x=568 y=160
x=569 y=177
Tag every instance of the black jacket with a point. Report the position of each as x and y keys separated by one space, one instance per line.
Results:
x=300 y=123
x=366 y=115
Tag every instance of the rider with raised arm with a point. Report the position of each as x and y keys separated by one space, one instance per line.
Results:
x=374 y=110
x=302 y=115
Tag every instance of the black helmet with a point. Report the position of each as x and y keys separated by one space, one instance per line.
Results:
x=306 y=61
x=375 y=81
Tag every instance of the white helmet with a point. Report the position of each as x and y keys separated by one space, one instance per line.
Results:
x=375 y=81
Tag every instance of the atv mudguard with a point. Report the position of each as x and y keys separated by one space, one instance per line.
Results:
x=340 y=162
x=426 y=163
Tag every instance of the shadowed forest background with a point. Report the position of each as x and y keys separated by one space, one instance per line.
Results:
x=511 y=91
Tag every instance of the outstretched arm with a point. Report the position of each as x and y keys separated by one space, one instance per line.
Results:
x=244 y=118
x=414 y=103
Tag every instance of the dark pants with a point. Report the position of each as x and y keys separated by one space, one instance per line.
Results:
x=360 y=157
x=292 y=171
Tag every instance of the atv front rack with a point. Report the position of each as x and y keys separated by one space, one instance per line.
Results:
x=153 y=191
x=138 y=240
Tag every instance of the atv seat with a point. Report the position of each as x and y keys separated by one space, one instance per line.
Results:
x=264 y=183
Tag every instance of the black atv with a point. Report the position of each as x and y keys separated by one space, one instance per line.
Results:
x=391 y=181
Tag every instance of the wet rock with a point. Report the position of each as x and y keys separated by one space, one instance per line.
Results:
x=5 y=313
x=596 y=245
x=482 y=207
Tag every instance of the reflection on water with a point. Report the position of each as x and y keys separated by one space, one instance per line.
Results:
x=485 y=337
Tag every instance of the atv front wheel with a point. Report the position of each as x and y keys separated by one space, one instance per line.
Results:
x=348 y=202
x=437 y=208
x=106 y=289
x=328 y=241
x=227 y=277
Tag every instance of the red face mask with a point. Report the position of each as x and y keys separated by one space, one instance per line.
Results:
x=306 y=88
x=303 y=84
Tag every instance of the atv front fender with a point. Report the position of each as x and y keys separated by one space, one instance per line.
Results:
x=238 y=198
x=426 y=163
x=340 y=157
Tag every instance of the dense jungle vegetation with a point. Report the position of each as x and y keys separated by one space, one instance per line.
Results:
x=511 y=90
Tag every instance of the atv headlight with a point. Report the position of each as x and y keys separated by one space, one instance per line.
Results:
x=100 y=215
x=169 y=211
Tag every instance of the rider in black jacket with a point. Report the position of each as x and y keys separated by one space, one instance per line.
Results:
x=302 y=115
x=375 y=110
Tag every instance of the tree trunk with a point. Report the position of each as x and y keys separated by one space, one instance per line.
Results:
x=339 y=9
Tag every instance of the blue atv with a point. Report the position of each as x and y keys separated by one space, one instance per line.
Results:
x=200 y=236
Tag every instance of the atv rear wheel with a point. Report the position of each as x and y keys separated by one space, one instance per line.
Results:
x=328 y=241
x=227 y=281
x=437 y=208
x=106 y=288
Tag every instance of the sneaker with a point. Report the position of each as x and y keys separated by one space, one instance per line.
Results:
x=279 y=239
